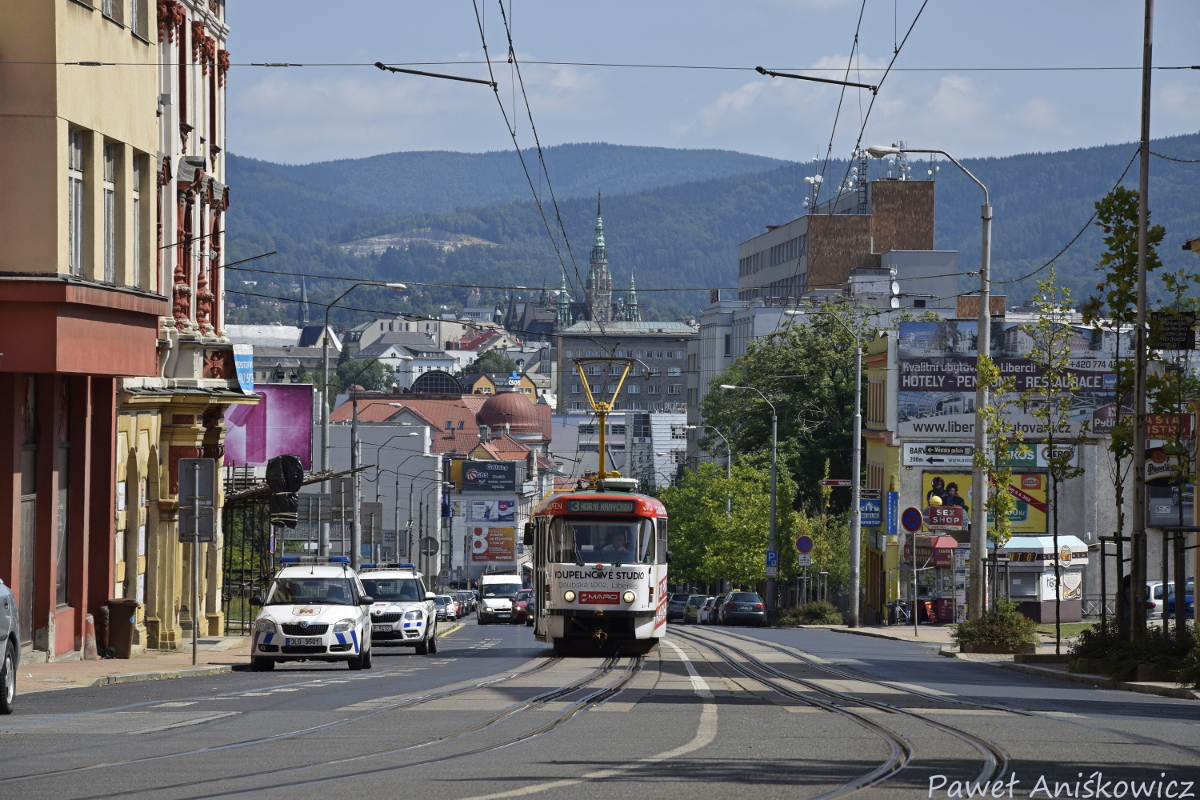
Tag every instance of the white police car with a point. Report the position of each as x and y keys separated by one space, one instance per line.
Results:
x=403 y=612
x=317 y=610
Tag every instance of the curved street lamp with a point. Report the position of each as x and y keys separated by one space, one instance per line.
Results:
x=728 y=464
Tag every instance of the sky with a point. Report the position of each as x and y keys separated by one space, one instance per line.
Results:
x=321 y=113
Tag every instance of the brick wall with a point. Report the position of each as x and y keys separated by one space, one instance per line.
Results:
x=902 y=215
x=835 y=245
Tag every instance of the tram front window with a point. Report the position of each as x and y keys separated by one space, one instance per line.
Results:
x=606 y=541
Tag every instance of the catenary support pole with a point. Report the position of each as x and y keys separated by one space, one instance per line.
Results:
x=771 y=538
x=979 y=486
x=356 y=510
x=855 y=492
x=1138 y=561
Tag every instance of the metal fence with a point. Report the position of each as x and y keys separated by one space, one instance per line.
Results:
x=1094 y=604
x=248 y=563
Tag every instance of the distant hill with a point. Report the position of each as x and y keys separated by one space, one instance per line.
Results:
x=430 y=181
x=686 y=234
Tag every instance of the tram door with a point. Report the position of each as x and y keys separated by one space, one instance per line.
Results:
x=541 y=578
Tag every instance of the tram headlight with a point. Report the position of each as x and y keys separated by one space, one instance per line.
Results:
x=629 y=597
x=569 y=596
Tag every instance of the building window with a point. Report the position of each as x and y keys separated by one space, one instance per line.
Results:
x=640 y=354
x=674 y=372
x=660 y=354
x=575 y=388
x=617 y=430
x=135 y=278
x=595 y=370
x=135 y=17
x=106 y=8
x=679 y=354
x=591 y=353
x=75 y=201
x=633 y=388
x=110 y=205
x=653 y=389
x=728 y=338
x=574 y=406
x=673 y=388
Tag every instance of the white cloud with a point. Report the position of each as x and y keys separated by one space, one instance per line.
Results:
x=736 y=100
x=1039 y=114
x=1180 y=101
x=957 y=102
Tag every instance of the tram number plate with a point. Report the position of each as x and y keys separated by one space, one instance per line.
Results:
x=599 y=598
x=303 y=642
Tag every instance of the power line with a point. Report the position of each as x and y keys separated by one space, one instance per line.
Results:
x=1180 y=160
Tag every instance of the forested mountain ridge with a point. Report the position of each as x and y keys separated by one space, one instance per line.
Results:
x=686 y=235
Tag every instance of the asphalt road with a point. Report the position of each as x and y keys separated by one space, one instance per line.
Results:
x=711 y=713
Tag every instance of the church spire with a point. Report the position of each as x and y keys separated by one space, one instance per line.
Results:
x=564 y=304
x=302 y=313
x=632 y=312
x=599 y=252
x=599 y=282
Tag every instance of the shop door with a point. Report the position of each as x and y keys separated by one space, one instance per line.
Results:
x=28 y=548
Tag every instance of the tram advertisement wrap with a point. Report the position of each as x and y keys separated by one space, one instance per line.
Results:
x=606 y=585
x=493 y=544
x=1029 y=490
x=938 y=377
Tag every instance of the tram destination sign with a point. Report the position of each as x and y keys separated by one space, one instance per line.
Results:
x=601 y=506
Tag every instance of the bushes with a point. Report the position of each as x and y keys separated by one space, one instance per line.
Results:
x=818 y=612
x=1155 y=650
x=1002 y=626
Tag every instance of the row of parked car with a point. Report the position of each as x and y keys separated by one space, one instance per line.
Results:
x=455 y=605
x=731 y=608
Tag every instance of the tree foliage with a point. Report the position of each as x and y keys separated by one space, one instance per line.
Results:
x=491 y=362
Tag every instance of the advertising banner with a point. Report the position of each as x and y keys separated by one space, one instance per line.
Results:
x=492 y=475
x=954 y=488
x=1163 y=505
x=494 y=510
x=281 y=424
x=493 y=544
x=872 y=512
x=938 y=377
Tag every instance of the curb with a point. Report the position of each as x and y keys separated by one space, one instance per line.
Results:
x=874 y=635
x=449 y=631
x=182 y=672
x=1161 y=690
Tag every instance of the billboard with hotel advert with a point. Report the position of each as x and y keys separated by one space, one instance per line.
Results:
x=938 y=376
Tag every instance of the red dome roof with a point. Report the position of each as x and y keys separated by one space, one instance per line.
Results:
x=512 y=408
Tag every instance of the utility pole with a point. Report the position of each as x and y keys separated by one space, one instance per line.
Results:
x=856 y=491
x=1137 y=617
x=355 y=512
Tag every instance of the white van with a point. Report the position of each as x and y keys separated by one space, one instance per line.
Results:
x=497 y=594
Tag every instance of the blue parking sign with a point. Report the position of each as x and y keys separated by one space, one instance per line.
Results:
x=772 y=558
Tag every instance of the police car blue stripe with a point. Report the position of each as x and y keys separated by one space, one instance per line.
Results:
x=354 y=638
x=341 y=637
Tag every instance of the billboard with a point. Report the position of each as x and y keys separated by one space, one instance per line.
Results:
x=1163 y=505
x=1029 y=490
x=494 y=510
x=281 y=424
x=495 y=476
x=490 y=543
x=938 y=377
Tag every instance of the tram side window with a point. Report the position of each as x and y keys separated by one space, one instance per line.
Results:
x=662 y=541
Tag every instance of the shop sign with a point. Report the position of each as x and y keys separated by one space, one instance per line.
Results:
x=927 y=556
x=945 y=518
x=493 y=475
x=1166 y=426
x=892 y=509
x=1161 y=465
x=1037 y=456
x=871 y=512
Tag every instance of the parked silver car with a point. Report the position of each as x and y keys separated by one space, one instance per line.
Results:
x=10 y=649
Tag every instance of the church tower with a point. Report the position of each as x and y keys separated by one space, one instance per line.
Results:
x=563 y=317
x=302 y=313
x=599 y=283
x=633 y=313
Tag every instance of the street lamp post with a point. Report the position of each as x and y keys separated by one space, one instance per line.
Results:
x=983 y=346
x=325 y=390
x=774 y=453
x=378 y=455
x=728 y=465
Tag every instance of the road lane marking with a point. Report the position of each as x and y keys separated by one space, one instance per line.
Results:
x=185 y=723
x=706 y=732
x=176 y=705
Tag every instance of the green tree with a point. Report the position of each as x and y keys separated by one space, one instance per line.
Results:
x=807 y=369
x=492 y=362
x=1113 y=309
x=373 y=375
x=1050 y=403
x=1004 y=442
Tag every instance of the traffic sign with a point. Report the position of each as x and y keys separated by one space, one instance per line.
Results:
x=912 y=519
x=772 y=572
x=945 y=518
x=804 y=544
x=936 y=454
x=804 y=559
x=772 y=558
x=841 y=482
x=869 y=494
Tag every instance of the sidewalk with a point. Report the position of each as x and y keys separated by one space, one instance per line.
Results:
x=216 y=655
x=934 y=635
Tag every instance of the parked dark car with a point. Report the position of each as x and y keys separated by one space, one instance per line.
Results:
x=1189 y=599
x=10 y=649
x=675 y=606
x=743 y=608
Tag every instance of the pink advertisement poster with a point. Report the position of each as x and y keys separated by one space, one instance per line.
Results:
x=281 y=424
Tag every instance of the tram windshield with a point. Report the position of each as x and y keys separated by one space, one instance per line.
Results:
x=590 y=540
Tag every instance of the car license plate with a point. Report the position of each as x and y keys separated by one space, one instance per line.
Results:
x=504 y=614
x=381 y=629
x=302 y=642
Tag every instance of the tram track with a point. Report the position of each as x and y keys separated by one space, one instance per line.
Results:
x=845 y=675
x=901 y=751
x=994 y=759
x=600 y=696
x=402 y=704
